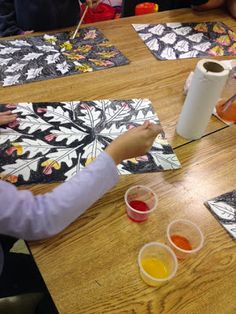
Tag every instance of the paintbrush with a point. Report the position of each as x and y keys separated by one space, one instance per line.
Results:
x=80 y=22
x=228 y=103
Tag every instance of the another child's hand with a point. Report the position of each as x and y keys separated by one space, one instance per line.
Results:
x=92 y=3
x=7 y=117
x=133 y=143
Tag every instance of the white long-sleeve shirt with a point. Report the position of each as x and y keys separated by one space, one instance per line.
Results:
x=30 y=217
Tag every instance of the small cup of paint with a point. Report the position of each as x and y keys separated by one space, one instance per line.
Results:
x=184 y=237
x=157 y=263
x=140 y=202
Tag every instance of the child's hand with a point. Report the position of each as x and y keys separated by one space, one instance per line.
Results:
x=7 y=117
x=92 y=3
x=133 y=143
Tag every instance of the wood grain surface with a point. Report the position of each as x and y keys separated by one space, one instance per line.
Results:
x=91 y=267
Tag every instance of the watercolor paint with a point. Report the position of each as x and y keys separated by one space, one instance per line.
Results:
x=155 y=267
x=227 y=114
x=181 y=242
x=140 y=206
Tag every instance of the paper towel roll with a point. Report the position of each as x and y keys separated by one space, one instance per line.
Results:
x=206 y=87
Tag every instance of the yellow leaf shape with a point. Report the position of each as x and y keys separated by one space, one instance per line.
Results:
x=73 y=56
x=106 y=44
x=108 y=54
x=217 y=28
x=133 y=160
x=89 y=160
x=223 y=40
x=51 y=164
x=83 y=68
x=66 y=45
x=19 y=148
x=216 y=51
x=83 y=49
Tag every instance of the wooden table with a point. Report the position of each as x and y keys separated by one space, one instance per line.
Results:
x=91 y=267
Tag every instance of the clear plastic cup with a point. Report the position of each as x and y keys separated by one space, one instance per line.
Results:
x=184 y=237
x=140 y=202
x=157 y=263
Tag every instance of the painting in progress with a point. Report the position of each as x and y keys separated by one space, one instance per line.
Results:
x=223 y=208
x=44 y=57
x=172 y=41
x=53 y=141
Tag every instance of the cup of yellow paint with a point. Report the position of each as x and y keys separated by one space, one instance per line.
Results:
x=184 y=238
x=157 y=263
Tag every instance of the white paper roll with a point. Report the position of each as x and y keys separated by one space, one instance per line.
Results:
x=206 y=87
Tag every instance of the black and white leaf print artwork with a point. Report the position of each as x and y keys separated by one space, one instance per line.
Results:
x=32 y=73
x=11 y=80
x=171 y=41
x=182 y=45
x=169 y=38
x=182 y=30
x=36 y=58
x=15 y=67
x=157 y=30
x=168 y=53
x=223 y=208
x=197 y=38
x=153 y=44
x=53 y=141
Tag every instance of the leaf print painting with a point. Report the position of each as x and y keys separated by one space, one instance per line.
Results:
x=53 y=141
x=171 y=41
x=223 y=208
x=56 y=56
x=32 y=73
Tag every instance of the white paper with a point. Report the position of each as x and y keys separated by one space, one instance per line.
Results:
x=207 y=83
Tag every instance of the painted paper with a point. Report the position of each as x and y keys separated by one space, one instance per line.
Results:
x=53 y=141
x=170 y=41
x=223 y=208
x=44 y=57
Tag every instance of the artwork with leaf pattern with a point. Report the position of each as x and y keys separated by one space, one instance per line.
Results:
x=50 y=56
x=170 y=41
x=223 y=208
x=52 y=141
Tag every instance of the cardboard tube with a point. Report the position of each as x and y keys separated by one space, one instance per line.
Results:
x=207 y=84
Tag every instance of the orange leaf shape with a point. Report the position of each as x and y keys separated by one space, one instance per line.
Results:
x=201 y=27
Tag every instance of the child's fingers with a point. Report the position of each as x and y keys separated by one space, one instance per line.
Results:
x=155 y=129
x=4 y=113
x=146 y=124
x=7 y=119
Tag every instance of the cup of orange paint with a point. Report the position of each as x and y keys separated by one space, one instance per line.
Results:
x=140 y=202
x=184 y=238
x=157 y=263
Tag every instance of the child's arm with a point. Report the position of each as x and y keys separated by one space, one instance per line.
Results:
x=231 y=5
x=30 y=217
x=8 y=24
x=34 y=217
x=210 y=4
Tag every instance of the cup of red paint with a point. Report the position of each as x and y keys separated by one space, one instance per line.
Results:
x=140 y=201
x=184 y=237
